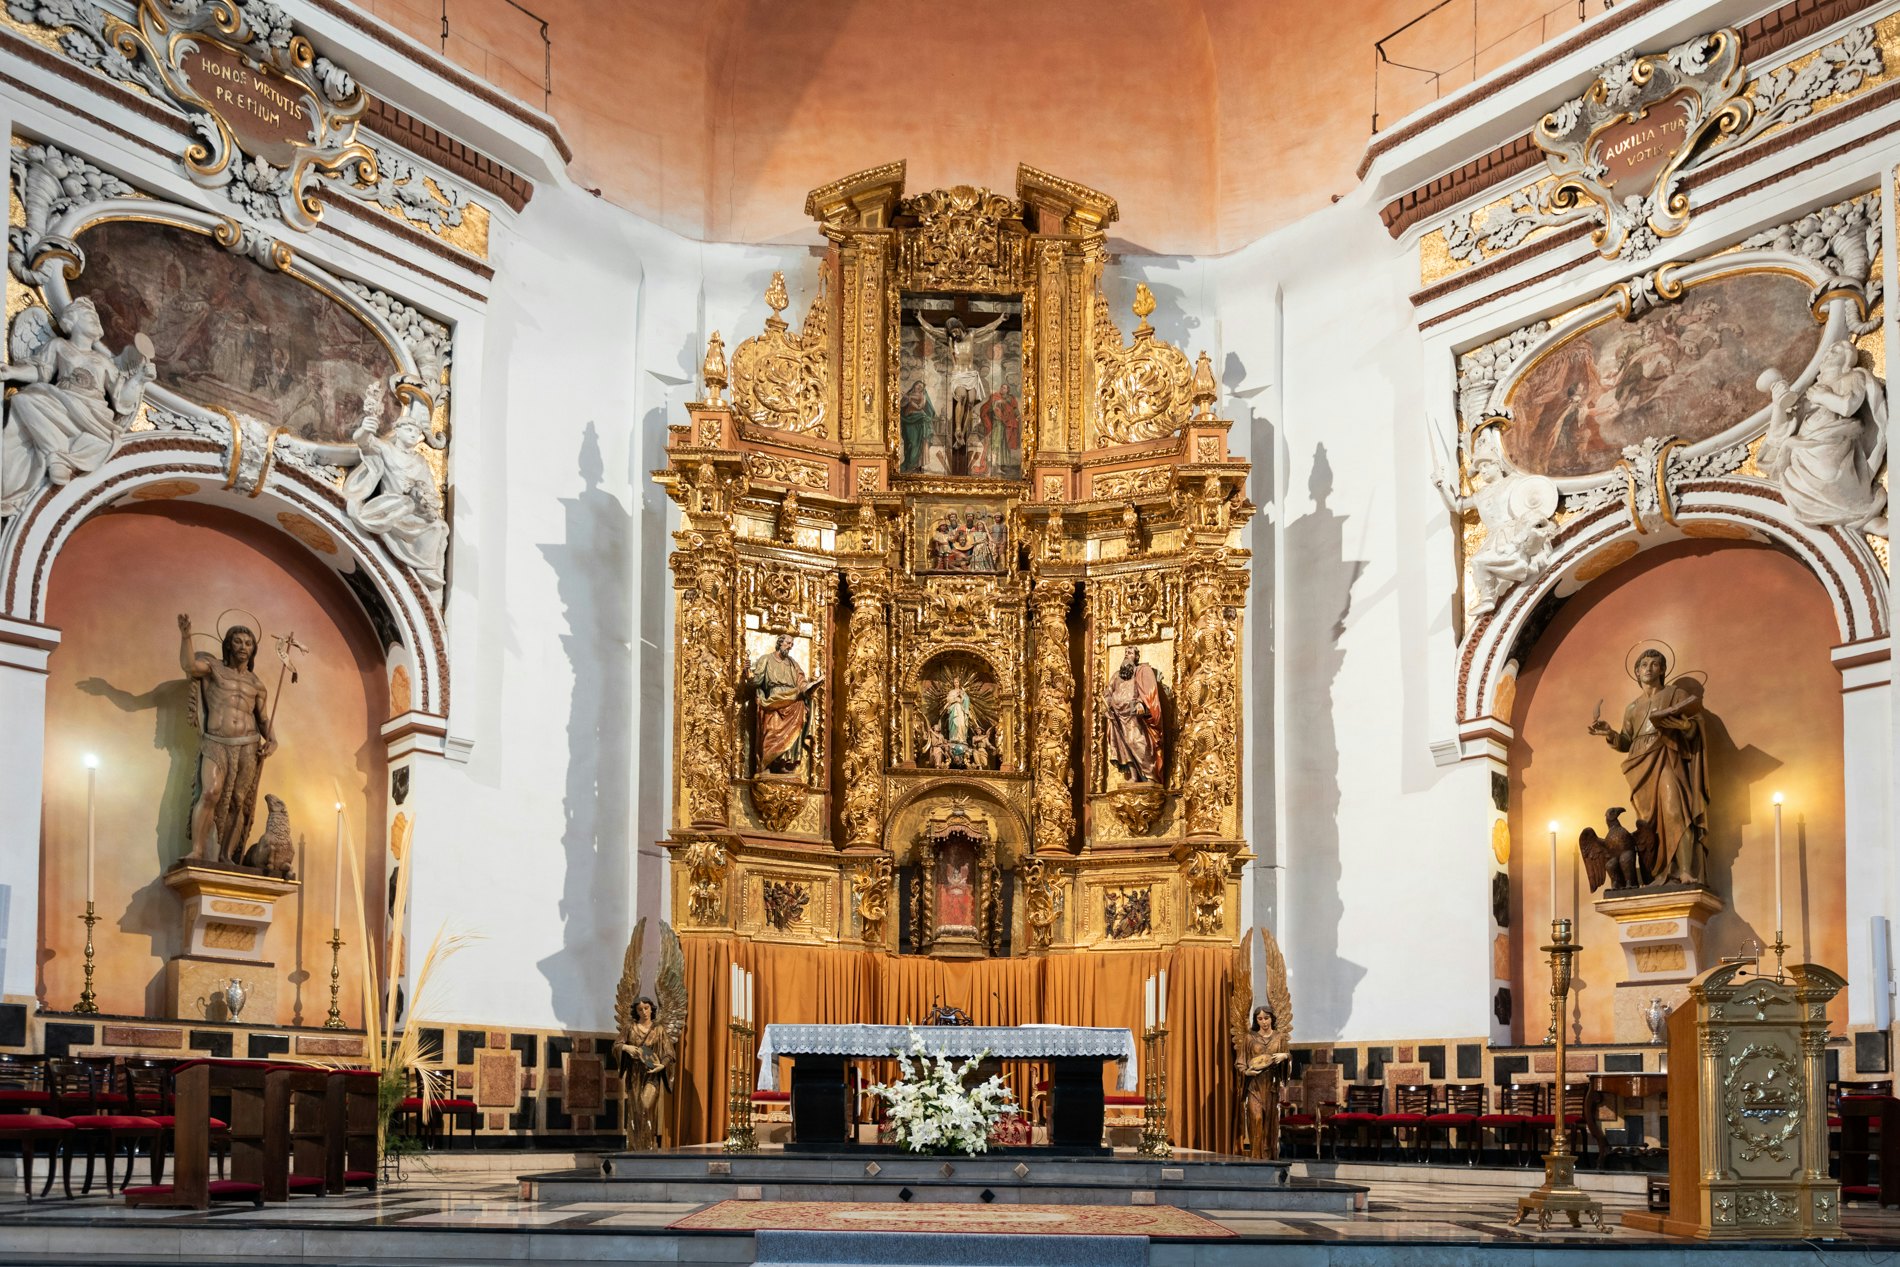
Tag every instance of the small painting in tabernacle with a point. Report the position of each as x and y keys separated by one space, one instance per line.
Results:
x=960 y=385
x=230 y=334
x=1686 y=369
x=961 y=536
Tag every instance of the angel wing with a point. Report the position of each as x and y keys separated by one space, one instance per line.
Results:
x=671 y=989
x=628 y=992
x=1596 y=857
x=1279 y=995
x=1648 y=847
x=1240 y=994
x=32 y=330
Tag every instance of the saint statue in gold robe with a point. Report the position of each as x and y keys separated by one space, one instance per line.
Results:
x=783 y=695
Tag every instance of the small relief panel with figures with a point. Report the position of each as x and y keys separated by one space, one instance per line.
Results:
x=959 y=535
x=960 y=385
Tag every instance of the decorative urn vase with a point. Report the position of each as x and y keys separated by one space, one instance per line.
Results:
x=234 y=998
x=1656 y=1016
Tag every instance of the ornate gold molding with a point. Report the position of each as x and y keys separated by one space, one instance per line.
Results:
x=1144 y=390
x=1052 y=687
x=782 y=381
x=965 y=239
x=866 y=693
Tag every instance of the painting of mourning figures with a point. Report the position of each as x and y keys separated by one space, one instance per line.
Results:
x=960 y=386
x=232 y=335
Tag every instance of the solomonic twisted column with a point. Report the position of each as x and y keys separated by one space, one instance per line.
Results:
x=864 y=695
x=1052 y=695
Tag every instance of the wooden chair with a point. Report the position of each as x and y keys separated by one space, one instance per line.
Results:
x=1364 y=1106
x=1405 y=1125
x=1464 y=1105
x=349 y=1115
x=445 y=1105
x=1870 y=1148
x=23 y=1084
x=98 y=1116
x=1297 y=1124
x=24 y=1121
x=193 y=1084
x=1510 y=1126
x=296 y=1139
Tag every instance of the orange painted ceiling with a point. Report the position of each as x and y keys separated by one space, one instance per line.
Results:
x=1211 y=121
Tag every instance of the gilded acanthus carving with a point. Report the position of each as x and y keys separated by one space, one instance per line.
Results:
x=1052 y=688
x=1210 y=700
x=703 y=568
x=706 y=863
x=776 y=468
x=1140 y=482
x=962 y=241
x=782 y=380
x=1144 y=390
x=1207 y=872
x=865 y=689
x=871 y=891
x=1043 y=898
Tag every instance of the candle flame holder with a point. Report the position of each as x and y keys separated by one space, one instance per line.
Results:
x=739 y=1134
x=1154 y=1094
x=335 y=1020
x=88 y=1004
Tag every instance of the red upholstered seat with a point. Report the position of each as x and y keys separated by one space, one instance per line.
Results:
x=1452 y=1119
x=16 y=1097
x=305 y=1183
x=359 y=1176
x=1834 y=1124
x=111 y=1122
x=1399 y=1119
x=33 y=1122
x=456 y=1106
x=1857 y=1190
x=771 y=1097
x=410 y=1104
x=1296 y=1119
x=218 y=1189
x=1124 y=1099
x=1356 y=1118
x=1546 y=1119
x=168 y=1121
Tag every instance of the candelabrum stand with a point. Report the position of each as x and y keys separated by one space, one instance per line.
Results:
x=88 y=1004
x=739 y=1137
x=1154 y=1094
x=1560 y=1193
x=335 y=1020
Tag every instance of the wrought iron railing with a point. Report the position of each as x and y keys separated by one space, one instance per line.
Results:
x=1456 y=42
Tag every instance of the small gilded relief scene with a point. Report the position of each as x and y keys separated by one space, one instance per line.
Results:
x=231 y=335
x=957 y=715
x=1686 y=369
x=957 y=535
x=785 y=693
x=960 y=385
x=1134 y=711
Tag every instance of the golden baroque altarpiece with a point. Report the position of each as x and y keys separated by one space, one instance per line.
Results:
x=959 y=586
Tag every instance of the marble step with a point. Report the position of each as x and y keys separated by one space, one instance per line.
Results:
x=999 y=1168
x=1307 y=1197
x=924 y=1249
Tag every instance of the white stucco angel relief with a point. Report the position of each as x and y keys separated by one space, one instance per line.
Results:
x=391 y=489
x=1515 y=508
x=75 y=399
x=1826 y=444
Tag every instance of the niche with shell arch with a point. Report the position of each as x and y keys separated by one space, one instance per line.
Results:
x=958 y=715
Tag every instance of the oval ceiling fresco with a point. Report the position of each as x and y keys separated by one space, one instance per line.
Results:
x=229 y=333
x=1685 y=369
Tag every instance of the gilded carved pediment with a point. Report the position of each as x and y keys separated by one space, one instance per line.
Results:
x=781 y=381
x=1145 y=389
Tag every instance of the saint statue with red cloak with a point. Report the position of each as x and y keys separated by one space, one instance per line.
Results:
x=784 y=708
x=1133 y=709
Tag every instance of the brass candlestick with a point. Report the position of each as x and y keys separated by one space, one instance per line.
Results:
x=1154 y=1094
x=1559 y=1192
x=88 y=1004
x=335 y=1020
x=739 y=1136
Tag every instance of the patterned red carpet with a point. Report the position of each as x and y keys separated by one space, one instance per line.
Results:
x=1164 y=1221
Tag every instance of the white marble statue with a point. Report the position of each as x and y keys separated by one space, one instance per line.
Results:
x=1515 y=509
x=391 y=488
x=1825 y=445
x=74 y=402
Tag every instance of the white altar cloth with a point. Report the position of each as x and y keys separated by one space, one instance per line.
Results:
x=1001 y=1042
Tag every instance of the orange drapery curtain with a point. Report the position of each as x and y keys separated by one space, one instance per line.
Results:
x=828 y=985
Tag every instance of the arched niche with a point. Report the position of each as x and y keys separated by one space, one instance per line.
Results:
x=1750 y=621
x=115 y=689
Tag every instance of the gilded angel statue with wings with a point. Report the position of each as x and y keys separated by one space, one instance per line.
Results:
x=1263 y=1040
x=648 y=1045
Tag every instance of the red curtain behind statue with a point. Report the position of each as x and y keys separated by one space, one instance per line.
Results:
x=833 y=986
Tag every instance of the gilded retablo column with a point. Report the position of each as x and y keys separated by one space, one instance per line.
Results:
x=864 y=695
x=1052 y=686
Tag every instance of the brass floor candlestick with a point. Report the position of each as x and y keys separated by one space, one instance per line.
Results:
x=739 y=1136
x=335 y=1020
x=1154 y=1094
x=88 y=1004
x=1560 y=1193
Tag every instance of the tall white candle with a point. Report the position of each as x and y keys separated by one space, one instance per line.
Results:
x=1778 y=924
x=749 y=1014
x=1553 y=870
x=735 y=992
x=336 y=876
x=1161 y=1002
x=1148 y=996
x=92 y=788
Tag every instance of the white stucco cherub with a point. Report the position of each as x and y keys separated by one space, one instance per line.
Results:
x=1826 y=444
x=1515 y=508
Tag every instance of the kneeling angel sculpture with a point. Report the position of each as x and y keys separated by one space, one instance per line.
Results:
x=74 y=402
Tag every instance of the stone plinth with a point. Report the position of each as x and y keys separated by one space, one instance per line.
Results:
x=227 y=914
x=1660 y=931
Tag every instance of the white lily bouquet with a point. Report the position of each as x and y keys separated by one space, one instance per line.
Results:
x=932 y=1111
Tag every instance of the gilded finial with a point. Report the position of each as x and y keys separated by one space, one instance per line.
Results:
x=1201 y=390
x=776 y=297
x=1144 y=304
x=713 y=370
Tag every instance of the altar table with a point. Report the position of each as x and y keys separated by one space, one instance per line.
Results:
x=820 y=1052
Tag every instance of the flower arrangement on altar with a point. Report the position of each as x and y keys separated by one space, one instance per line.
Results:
x=931 y=1110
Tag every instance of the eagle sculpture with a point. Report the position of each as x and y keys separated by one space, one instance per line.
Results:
x=1625 y=858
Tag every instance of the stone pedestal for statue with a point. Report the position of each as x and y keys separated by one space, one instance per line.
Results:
x=227 y=913
x=1660 y=931
x=1748 y=1131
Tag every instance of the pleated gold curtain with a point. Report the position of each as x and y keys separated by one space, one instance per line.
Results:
x=834 y=986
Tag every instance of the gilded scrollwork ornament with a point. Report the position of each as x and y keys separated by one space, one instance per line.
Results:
x=1143 y=390
x=706 y=864
x=962 y=240
x=1210 y=696
x=864 y=694
x=1207 y=871
x=703 y=567
x=1052 y=688
x=871 y=886
x=1044 y=895
x=782 y=380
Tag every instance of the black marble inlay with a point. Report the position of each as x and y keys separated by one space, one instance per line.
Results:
x=1501 y=1005
x=1830 y=1064
x=1347 y=1058
x=264 y=1046
x=1870 y=1051
x=430 y=1040
x=523 y=1120
x=1302 y=1057
x=466 y=1043
x=1500 y=791
x=1505 y=1068
x=63 y=1036
x=529 y=1049
x=558 y=1117
x=212 y=1042
x=12 y=1024
x=1433 y=1057
x=558 y=1047
x=1501 y=900
x=1470 y=1060
x=1622 y=1062
x=1633 y=1130
x=1377 y=1058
